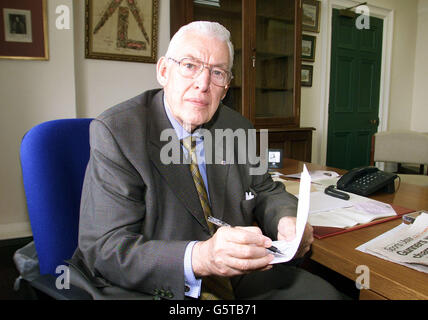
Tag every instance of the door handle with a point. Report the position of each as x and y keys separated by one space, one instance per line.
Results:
x=374 y=122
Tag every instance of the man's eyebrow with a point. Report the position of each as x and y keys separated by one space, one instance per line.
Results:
x=223 y=65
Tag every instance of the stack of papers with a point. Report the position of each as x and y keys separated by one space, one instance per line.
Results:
x=405 y=244
x=315 y=175
x=328 y=211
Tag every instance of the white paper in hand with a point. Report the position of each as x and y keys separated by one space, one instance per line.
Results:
x=289 y=248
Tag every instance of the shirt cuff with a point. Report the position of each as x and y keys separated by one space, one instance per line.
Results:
x=191 y=284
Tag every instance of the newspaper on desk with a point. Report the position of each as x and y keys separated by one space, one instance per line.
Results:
x=408 y=245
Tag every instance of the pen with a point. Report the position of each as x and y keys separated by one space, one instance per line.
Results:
x=221 y=223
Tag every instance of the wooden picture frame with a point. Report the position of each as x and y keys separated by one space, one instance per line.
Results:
x=311 y=15
x=24 y=30
x=307 y=75
x=122 y=30
x=308 y=47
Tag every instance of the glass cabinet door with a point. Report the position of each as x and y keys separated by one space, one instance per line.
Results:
x=275 y=70
x=229 y=14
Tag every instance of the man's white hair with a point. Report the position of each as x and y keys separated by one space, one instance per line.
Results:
x=213 y=29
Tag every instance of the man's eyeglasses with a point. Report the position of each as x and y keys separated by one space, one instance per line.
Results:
x=190 y=68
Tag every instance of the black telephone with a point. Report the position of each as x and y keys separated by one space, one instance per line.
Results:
x=367 y=180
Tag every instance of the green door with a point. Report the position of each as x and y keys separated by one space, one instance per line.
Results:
x=356 y=57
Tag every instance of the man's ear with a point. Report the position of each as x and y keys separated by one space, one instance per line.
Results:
x=225 y=92
x=162 y=71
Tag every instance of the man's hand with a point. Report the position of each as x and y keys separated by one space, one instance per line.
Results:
x=287 y=231
x=231 y=252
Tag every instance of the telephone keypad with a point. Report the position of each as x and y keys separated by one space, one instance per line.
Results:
x=366 y=181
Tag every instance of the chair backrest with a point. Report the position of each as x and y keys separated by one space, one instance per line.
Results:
x=401 y=147
x=54 y=156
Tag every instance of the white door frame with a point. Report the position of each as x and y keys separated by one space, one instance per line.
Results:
x=385 y=81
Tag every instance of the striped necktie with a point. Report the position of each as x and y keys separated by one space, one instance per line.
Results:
x=190 y=144
x=213 y=287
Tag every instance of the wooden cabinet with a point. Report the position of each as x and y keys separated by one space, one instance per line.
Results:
x=267 y=39
x=295 y=142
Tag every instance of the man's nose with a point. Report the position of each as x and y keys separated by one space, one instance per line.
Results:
x=203 y=80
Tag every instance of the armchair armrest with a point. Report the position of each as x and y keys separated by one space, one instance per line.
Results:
x=46 y=284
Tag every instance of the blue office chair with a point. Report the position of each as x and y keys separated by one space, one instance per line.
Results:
x=54 y=156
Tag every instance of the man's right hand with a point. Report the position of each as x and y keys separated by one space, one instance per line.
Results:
x=232 y=251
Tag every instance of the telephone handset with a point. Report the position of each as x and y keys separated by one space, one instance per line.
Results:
x=367 y=180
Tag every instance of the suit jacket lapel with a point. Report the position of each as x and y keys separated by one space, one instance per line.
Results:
x=177 y=176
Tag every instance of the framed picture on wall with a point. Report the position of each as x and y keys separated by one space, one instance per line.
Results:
x=122 y=30
x=23 y=30
x=308 y=47
x=307 y=74
x=311 y=15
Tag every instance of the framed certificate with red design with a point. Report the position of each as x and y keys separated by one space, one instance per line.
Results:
x=124 y=30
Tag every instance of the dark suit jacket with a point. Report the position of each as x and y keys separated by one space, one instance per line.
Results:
x=138 y=214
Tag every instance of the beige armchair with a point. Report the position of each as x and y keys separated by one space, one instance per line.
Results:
x=402 y=147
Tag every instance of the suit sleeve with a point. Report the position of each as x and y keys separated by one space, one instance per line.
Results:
x=273 y=203
x=112 y=216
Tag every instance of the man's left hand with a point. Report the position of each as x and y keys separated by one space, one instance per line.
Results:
x=287 y=231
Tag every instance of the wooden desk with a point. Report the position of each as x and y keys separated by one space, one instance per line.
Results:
x=387 y=280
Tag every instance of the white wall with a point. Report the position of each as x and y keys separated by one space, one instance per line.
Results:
x=100 y=83
x=65 y=86
x=420 y=89
x=31 y=92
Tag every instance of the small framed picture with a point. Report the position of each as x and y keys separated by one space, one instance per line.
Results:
x=17 y=25
x=311 y=15
x=307 y=73
x=274 y=158
x=308 y=47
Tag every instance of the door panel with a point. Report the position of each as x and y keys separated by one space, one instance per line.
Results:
x=344 y=74
x=354 y=91
x=340 y=145
x=366 y=94
x=371 y=39
x=346 y=38
x=361 y=145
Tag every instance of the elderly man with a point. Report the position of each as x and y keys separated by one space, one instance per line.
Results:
x=144 y=228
